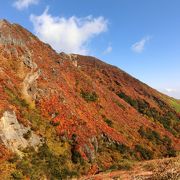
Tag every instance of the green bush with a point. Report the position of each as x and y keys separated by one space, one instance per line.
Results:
x=143 y=107
x=76 y=157
x=89 y=96
x=171 y=152
x=150 y=134
x=122 y=148
x=25 y=166
x=119 y=104
x=156 y=138
x=145 y=153
x=166 y=141
x=160 y=103
x=17 y=175
x=128 y=99
x=113 y=167
x=142 y=132
x=108 y=122
x=155 y=135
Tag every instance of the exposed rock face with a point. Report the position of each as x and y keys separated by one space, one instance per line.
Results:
x=27 y=60
x=10 y=40
x=95 y=143
x=29 y=85
x=90 y=152
x=12 y=134
x=72 y=57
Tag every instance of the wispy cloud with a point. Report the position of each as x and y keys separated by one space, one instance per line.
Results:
x=23 y=4
x=173 y=92
x=70 y=35
x=139 y=46
x=108 y=49
x=170 y=90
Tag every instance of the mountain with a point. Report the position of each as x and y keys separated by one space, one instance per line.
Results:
x=67 y=115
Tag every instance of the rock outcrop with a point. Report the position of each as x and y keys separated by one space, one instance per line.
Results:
x=16 y=136
x=72 y=57
x=29 y=90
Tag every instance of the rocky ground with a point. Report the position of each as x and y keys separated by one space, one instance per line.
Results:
x=161 y=169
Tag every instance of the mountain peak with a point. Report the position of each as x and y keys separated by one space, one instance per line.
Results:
x=14 y=34
x=4 y=22
x=5 y=25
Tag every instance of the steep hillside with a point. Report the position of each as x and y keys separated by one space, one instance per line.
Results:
x=75 y=115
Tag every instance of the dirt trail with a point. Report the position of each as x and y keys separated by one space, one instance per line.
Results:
x=160 y=169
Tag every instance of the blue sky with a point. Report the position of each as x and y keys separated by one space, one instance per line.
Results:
x=141 y=37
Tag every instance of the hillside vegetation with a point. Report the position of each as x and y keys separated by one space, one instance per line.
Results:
x=66 y=115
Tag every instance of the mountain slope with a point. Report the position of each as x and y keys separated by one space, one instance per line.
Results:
x=75 y=114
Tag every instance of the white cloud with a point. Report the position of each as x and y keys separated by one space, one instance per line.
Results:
x=138 y=47
x=108 y=49
x=70 y=35
x=22 y=4
x=173 y=92
x=170 y=90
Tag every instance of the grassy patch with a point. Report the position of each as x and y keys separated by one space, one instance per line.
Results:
x=175 y=104
x=14 y=99
x=44 y=162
